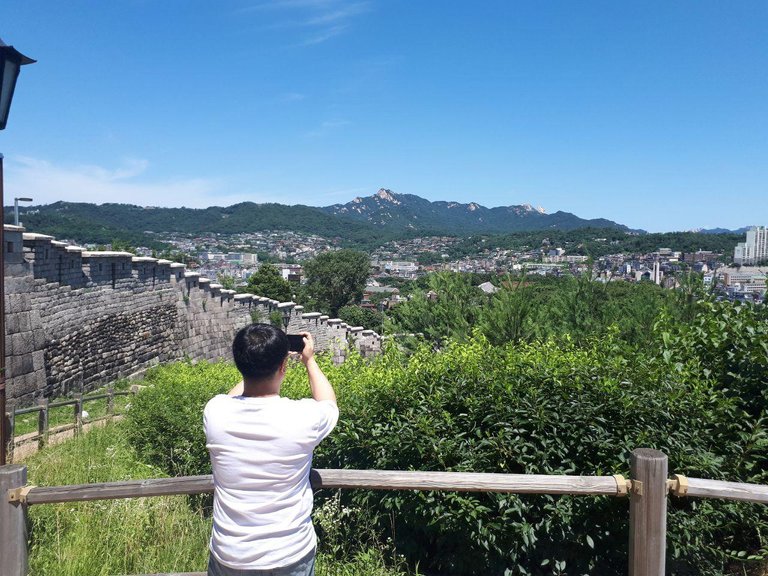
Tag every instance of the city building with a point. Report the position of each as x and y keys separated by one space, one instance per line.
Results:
x=755 y=249
x=744 y=279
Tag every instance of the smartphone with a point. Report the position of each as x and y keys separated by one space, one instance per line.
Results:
x=295 y=342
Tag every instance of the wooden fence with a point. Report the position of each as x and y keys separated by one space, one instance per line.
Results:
x=647 y=490
x=43 y=408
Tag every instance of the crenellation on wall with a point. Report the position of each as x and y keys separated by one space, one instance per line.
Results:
x=77 y=319
x=106 y=268
x=14 y=244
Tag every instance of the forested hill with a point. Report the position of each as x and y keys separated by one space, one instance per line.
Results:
x=364 y=223
x=92 y=223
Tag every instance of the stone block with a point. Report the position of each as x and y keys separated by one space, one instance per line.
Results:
x=38 y=360
x=23 y=343
x=12 y=323
x=25 y=322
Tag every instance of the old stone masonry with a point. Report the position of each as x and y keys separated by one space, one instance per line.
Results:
x=76 y=320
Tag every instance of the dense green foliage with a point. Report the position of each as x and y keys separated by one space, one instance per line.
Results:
x=366 y=317
x=529 y=308
x=335 y=279
x=267 y=281
x=553 y=405
x=166 y=420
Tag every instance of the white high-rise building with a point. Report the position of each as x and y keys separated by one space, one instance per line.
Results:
x=755 y=249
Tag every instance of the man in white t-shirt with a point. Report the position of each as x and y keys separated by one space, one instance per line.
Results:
x=261 y=446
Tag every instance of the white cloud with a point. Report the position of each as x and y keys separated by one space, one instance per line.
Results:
x=294 y=97
x=46 y=183
x=326 y=127
x=321 y=20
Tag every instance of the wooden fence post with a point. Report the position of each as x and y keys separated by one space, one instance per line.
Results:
x=110 y=400
x=13 y=523
x=42 y=424
x=648 y=513
x=10 y=426
x=78 y=413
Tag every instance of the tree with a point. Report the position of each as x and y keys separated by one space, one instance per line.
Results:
x=365 y=317
x=119 y=245
x=449 y=306
x=267 y=281
x=228 y=281
x=335 y=279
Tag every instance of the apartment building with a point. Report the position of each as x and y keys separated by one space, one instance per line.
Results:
x=755 y=249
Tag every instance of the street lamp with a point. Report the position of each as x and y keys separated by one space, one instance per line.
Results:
x=11 y=61
x=286 y=317
x=16 y=209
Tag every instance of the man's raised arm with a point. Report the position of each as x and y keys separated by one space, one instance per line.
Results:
x=321 y=388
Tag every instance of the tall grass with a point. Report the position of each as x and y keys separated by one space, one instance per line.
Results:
x=137 y=536
x=144 y=535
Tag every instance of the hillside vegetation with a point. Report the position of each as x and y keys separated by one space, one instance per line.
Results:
x=562 y=402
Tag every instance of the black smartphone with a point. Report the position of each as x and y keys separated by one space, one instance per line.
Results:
x=295 y=342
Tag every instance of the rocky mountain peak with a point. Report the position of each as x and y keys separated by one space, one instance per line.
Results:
x=387 y=196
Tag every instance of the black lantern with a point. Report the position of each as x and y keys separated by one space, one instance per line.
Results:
x=11 y=61
x=286 y=317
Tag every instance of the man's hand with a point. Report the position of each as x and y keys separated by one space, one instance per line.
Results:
x=309 y=348
x=321 y=388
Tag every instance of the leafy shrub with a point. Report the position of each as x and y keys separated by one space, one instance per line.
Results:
x=165 y=420
x=357 y=316
x=548 y=407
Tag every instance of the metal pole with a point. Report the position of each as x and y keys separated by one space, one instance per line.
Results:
x=3 y=440
x=15 y=211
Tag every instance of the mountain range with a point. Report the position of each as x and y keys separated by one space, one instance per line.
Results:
x=383 y=216
x=386 y=209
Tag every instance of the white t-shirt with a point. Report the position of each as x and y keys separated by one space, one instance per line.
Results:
x=261 y=452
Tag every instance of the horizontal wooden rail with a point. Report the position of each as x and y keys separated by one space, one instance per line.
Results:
x=370 y=479
x=61 y=403
x=466 y=482
x=28 y=410
x=727 y=490
x=126 y=489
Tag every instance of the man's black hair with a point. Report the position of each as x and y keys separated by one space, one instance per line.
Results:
x=259 y=350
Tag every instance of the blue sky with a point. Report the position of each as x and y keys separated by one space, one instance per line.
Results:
x=652 y=114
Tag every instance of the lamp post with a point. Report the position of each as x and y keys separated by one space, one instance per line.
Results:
x=16 y=209
x=11 y=61
x=286 y=318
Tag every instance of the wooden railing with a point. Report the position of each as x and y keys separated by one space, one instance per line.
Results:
x=647 y=490
x=43 y=408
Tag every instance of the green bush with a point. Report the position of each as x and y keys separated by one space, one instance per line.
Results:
x=165 y=420
x=549 y=407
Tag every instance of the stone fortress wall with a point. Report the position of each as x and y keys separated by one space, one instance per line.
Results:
x=76 y=320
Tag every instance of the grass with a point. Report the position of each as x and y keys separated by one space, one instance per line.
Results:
x=136 y=536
